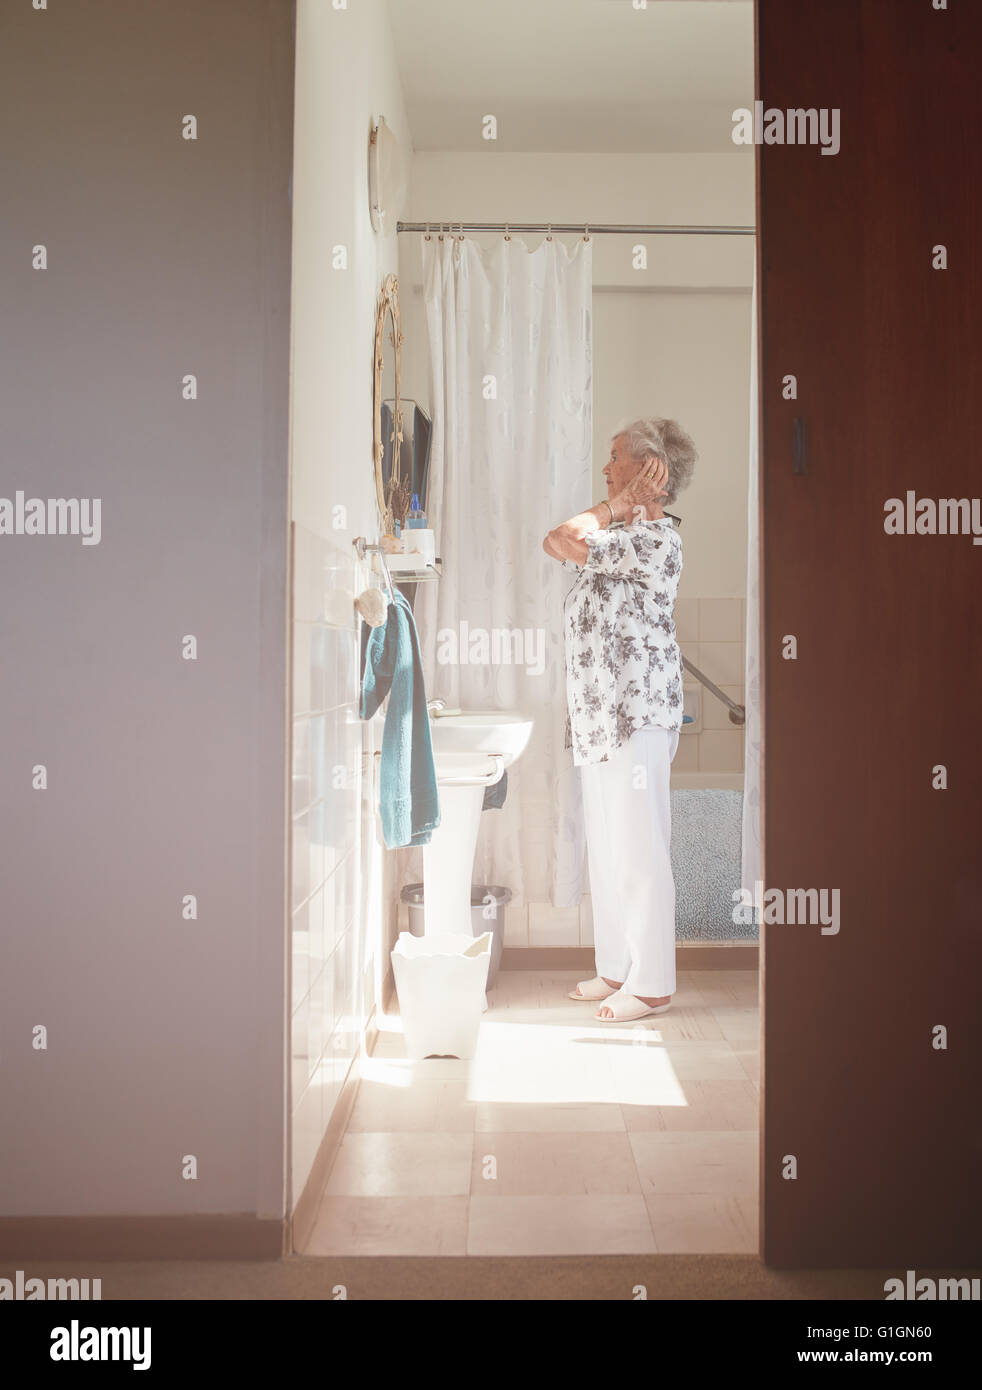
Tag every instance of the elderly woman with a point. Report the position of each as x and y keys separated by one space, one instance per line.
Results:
x=624 y=693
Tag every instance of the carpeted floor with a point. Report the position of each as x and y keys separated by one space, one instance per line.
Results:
x=447 y=1278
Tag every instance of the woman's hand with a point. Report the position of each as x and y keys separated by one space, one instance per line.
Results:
x=646 y=488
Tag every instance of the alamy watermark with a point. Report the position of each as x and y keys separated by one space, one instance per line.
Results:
x=795 y=126
x=79 y=1343
x=943 y=1290
x=923 y=516
x=21 y=1287
x=492 y=646
x=788 y=906
x=21 y=515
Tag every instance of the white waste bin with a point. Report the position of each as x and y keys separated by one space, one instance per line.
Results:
x=440 y=980
x=488 y=903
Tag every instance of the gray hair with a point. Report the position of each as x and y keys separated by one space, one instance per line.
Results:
x=669 y=441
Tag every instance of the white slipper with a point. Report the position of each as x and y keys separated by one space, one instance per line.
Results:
x=626 y=1007
x=594 y=989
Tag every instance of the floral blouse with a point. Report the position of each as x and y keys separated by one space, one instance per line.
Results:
x=623 y=664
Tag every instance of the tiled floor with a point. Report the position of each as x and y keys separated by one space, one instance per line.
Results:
x=562 y=1136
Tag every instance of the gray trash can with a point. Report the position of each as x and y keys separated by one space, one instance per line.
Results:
x=488 y=903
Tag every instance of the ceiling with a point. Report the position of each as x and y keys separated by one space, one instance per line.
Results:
x=589 y=76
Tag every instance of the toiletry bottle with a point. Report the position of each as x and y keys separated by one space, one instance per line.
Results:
x=425 y=542
x=419 y=538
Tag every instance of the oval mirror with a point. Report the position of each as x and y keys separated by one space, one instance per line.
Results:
x=390 y=488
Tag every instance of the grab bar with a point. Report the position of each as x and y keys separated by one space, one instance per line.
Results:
x=738 y=714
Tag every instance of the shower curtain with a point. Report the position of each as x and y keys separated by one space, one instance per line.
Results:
x=751 y=869
x=511 y=391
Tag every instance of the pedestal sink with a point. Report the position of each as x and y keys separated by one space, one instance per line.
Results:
x=471 y=750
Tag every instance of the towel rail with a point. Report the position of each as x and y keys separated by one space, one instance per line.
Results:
x=489 y=780
x=363 y=548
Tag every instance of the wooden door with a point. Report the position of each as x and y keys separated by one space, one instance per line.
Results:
x=881 y=1119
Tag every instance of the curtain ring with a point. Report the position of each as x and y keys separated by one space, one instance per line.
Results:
x=461 y=237
x=507 y=237
x=549 y=232
x=440 y=237
x=427 y=237
x=586 y=233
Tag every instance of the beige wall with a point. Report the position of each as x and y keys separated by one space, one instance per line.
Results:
x=342 y=880
x=165 y=776
x=687 y=352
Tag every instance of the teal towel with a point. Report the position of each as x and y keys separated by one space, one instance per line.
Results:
x=410 y=805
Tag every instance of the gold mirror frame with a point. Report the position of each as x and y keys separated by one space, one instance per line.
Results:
x=393 y=502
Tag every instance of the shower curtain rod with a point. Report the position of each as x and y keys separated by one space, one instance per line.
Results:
x=587 y=228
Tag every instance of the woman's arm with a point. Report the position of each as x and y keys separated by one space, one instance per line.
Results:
x=565 y=542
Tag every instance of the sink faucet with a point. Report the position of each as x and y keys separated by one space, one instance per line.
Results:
x=432 y=705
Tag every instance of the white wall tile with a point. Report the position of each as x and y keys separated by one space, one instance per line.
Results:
x=344 y=893
x=686 y=614
x=302 y=546
x=553 y=926
x=321 y=735
x=316 y=817
x=338 y=898
x=721 y=751
x=300 y=1054
x=722 y=662
x=352 y=736
x=719 y=619
x=318 y=677
x=315 y=930
x=300 y=955
x=316 y=559
x=322 y=999
x=339 y=964
x=320 y=578
x=300 y=790
x=349 y=664
x=715 y=713
x=301 y=857
x=333 y=644
x=301 y=668
x=317 y=1027
x=345 y=1041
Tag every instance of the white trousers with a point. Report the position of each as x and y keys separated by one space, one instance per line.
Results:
x=628 y=822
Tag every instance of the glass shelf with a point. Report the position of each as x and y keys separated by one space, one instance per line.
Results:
x=416 y=576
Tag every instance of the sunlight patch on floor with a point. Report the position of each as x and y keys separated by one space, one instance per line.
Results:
x=558 y=1064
